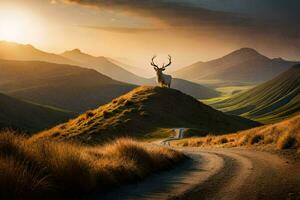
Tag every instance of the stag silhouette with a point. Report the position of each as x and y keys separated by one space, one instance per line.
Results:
x=162 y=79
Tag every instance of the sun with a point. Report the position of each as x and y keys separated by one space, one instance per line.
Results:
x=14 y=25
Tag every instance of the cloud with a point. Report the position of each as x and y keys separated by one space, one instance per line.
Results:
x=119 y=29
x=173 y=14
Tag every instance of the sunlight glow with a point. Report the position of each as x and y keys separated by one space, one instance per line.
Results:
x=14 y=25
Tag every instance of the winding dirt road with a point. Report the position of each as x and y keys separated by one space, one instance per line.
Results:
x=220 y=174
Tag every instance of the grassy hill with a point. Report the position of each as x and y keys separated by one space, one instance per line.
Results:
x=69 y=87
x=241 y=66
x=269 y=102
x=29 y=117
x=282 y=135
x=15 y=51
x=146 y=110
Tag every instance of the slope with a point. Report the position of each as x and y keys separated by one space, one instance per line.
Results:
x=145 y=110
x=104 y=66
x=244 y=65
x=29 y=117
x=269 y=102
x=15 y=51
x=64 y=86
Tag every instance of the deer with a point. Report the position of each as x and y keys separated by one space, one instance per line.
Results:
x=162 y=79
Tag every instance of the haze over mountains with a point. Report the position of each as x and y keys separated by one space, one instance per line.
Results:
x=102 y=65
x=244 y=65
x=269 y=102
x=15 y=51
x=29 y=117
x=144 y=110
x=64 y=86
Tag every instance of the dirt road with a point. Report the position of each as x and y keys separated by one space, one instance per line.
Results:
x=221 y=174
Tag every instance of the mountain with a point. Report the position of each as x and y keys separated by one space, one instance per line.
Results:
x=143 y=72
x=15 y=51
x=269 y=102
x=29 y=117
x=103 y=65
x=106 y=66
x=68 y=87
x=145 y=110
x=244 y=65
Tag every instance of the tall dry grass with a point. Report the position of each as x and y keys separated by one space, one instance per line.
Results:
x=283 y=135
x=50 y=170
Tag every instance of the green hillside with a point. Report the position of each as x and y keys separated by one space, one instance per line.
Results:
x=143 y=111
x=270 y=102
x=29 y=117
x=64 y=86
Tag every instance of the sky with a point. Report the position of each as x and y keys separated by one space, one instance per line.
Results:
x=133 y=31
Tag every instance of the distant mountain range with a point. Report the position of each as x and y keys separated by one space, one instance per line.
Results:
x=244 y=65
x=69 y=87
x=103 y=65
x=145 y=110
x=29 y=117
x=15 y=51
x=269 y=102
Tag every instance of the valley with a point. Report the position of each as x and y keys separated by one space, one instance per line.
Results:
x=74 y=113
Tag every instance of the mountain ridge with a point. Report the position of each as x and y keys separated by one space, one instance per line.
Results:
x=245 y=65
x=64 y=86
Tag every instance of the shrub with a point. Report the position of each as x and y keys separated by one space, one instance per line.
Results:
x=89 y=114
x=286 y=141
x=223 y=140
x=256 y=139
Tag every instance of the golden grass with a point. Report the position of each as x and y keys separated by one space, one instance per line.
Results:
x=49 y=170
x=282 y=135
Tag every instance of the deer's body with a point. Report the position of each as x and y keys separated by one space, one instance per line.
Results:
x=163 y=80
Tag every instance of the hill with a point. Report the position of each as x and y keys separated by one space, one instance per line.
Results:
x=28 y=117
x=15 y=51
x=281 y=135
x=269 y=102
x=104 y=66
x=68 y=87
x=244 y=65
x=146 y=110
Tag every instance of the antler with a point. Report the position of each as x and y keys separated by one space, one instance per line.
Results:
x=170 y=62
x=152 y=62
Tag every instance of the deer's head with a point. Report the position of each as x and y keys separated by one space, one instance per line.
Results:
x=159 y=70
